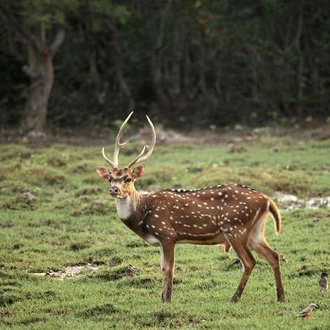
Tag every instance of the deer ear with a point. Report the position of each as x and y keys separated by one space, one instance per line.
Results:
x=138 y=171
x=103 y=173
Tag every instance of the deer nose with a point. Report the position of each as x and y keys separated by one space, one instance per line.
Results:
x=114 y=191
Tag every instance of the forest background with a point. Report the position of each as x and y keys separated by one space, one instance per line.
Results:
x=74 y=63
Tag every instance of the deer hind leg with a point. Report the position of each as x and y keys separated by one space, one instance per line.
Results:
x=272 y=257
x=258 y=243
x=167 y=251
x=248 y=263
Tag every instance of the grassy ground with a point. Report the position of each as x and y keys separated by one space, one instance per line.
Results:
x=55 y=213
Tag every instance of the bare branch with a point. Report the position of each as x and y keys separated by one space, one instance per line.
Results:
x=57 y=42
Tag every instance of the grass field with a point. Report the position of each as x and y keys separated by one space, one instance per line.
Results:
x=56 y=213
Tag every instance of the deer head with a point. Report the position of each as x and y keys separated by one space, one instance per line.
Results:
x=122 y=179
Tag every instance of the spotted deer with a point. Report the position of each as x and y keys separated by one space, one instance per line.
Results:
x=230 y=215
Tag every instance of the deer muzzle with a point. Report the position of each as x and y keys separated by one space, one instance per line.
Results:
x=114 y=191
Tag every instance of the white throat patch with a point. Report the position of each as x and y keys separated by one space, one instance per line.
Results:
x=124 y=207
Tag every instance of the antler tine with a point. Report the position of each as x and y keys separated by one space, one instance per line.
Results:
x=109 y=161
x=150 y=148
x=118 y=145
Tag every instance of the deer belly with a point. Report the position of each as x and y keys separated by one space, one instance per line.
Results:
x=211 y=239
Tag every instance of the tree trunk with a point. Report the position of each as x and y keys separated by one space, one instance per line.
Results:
x=155 y=39
x=41 y=83
x=301 y=62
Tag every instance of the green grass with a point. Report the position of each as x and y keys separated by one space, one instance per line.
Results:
x=72 y=221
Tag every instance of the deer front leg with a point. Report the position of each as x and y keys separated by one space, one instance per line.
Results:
x=248 y=263
x=167 y=251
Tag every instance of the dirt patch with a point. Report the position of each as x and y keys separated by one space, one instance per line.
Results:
x=292 y=202
x=70 y=271
x=222 y=135
x=78 y=270
x=90 y=137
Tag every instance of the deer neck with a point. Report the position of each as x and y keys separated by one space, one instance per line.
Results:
x=128 y=207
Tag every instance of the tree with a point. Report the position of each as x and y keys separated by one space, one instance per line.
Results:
x=39 y=32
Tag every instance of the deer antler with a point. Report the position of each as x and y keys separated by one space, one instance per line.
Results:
x=119 y=145
x=141 y=157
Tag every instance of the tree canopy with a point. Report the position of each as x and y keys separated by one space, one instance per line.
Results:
x=184 y=62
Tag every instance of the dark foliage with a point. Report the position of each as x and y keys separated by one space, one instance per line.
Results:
x=205 y=63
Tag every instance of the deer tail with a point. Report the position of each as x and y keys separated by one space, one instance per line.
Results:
x=276 y=215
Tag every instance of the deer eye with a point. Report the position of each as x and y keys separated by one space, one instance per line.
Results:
x=128 y=180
